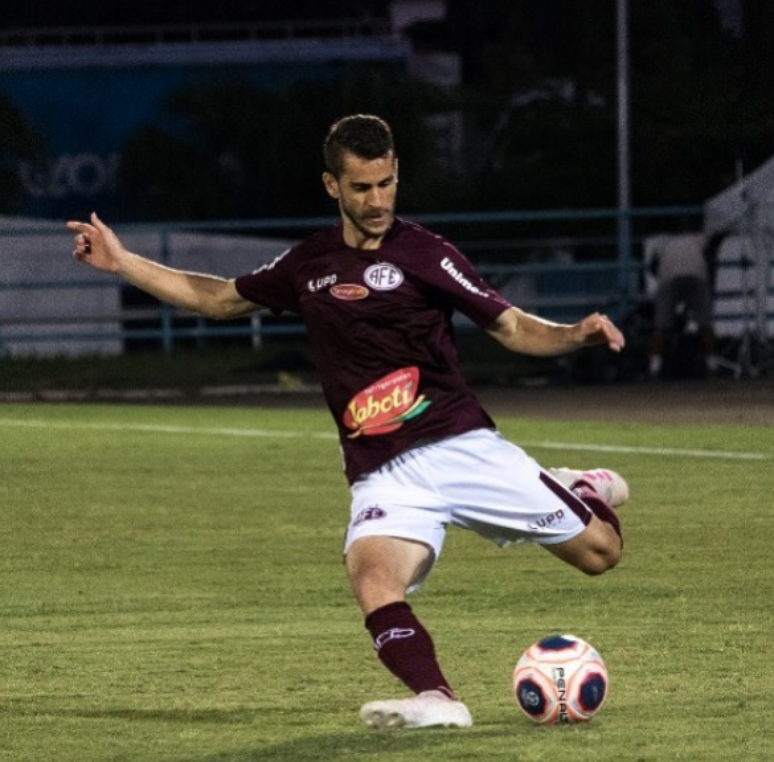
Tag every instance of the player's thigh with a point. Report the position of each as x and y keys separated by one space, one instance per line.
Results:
x=382 y=568
x=396 y=531
x=595 y=550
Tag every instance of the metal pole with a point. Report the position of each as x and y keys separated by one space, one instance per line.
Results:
x=167 y=325
x=762 y=266
x=624 y=180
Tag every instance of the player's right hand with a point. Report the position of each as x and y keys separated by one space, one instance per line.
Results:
x=96 y=244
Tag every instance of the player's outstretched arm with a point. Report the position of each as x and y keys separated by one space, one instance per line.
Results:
x=528 y=334
x=97 y=245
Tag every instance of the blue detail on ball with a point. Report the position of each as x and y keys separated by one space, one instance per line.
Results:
x=531 y=698
x=592 y=692
x=556 y=643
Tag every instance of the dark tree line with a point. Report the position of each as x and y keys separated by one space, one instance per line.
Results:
x=18 y=142
x=537 y=101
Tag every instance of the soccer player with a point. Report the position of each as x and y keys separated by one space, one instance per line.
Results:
x=377 y=294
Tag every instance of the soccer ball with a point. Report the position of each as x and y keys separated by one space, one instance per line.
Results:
x=560 y=679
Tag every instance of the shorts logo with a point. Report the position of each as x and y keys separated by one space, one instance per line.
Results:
x=386 y=405
x=350 y=292
x=383 y=276
x=549 y=521
x=372 y=513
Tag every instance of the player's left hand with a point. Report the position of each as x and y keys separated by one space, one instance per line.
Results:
x=598 y=329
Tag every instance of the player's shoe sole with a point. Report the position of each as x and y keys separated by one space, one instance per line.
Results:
x=610 y=485
x=428 y=709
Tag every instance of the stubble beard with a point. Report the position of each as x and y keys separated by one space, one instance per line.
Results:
x=366 y=227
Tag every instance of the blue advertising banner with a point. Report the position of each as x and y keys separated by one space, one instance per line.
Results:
x=85 y=102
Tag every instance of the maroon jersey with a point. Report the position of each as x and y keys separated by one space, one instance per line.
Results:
x=380 y=327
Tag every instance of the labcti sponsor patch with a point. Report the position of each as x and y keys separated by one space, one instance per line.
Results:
x=349 y=292
x=386 y=405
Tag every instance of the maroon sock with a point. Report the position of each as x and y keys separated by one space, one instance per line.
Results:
x=597 y=505
x=405 y=647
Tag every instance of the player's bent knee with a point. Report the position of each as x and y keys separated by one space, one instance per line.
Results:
x=590 y=552
x=601 y=546
x=597 y=562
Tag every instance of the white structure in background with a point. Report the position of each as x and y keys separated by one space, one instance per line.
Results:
x=744 y=215
x=51 y=306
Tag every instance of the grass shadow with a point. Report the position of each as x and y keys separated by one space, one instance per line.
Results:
x=360 y=744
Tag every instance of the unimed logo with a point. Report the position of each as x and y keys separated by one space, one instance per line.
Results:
x=448 y=265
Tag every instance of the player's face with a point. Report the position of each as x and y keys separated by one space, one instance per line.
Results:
x=365 y=190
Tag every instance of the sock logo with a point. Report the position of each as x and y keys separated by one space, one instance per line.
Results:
x=396 y=633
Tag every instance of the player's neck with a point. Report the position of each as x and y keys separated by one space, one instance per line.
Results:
x=357 y=239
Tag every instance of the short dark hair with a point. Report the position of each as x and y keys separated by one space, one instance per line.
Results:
x=367 y=136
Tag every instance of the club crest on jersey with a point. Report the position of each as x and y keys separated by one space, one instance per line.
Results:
x=386 y=405
x=383 y=276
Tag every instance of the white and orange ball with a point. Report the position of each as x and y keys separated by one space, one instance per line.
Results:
x=560 y=679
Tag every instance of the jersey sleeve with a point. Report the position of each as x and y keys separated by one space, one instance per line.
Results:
x=449 y=271
x=272 y=285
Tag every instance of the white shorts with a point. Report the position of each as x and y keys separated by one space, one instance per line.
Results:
x=477 y=481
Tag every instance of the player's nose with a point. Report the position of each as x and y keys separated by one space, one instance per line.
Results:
x=375 y=197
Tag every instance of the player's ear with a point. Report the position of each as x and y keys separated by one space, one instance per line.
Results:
x=331 y=185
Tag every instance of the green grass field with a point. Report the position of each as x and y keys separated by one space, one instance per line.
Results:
x=172 y=591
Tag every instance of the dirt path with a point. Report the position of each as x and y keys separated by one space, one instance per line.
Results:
x=743 y=402
x=747 y=402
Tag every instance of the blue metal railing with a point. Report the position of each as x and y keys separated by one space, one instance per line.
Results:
x=598 y=276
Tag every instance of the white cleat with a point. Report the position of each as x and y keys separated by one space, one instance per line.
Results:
x=424 y=710
x=611 y=486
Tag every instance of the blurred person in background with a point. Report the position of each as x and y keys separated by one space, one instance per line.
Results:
x=683 y=295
